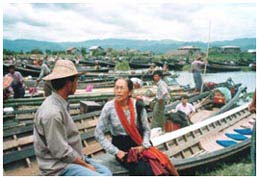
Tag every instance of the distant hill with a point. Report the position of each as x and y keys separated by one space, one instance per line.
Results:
x=157 y=46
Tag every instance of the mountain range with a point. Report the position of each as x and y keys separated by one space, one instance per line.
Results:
x=157 y=46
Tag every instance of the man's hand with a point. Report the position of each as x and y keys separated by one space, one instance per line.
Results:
x=89 y=166
x=83 y=163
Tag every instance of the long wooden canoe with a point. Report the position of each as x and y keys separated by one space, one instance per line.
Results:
x=23 y=71
x=213 y=67
x=26 y=142
x=196 y=145
x=188 y=148
x=135 y=65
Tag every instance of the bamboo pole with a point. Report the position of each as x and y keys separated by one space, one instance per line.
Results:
x=207 y=55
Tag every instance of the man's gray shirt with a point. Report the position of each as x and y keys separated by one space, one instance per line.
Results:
x=57 y=141
x=45 y=70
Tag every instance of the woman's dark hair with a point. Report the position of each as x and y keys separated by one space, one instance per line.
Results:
x=58 y=84
x=129 y=83
x=158 y=72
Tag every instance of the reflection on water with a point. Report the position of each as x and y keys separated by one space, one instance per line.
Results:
x=247 y=79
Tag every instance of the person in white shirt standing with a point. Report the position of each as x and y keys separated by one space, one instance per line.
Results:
x=185 y=107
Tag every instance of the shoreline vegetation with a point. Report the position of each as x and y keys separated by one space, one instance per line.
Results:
x=122 y=58
x=240 y=167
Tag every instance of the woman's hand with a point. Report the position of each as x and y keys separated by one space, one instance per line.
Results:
x=120 y=155
x=139 y=149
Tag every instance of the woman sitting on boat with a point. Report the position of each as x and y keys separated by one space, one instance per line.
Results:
x=221 y=96
x=126 y=119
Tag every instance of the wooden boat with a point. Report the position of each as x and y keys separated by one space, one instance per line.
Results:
x=79 y=68
x=23 y=126
x=102 y=95
x=158 y=63
x=176 y=66
x=99 y=95
x=143 y=76
x=196 y=145
x=18 y=143
x=82 y=84
x=25 y=112
x=86 y=69
x=101 y=63
x=107 y=63
x=30 y=66
x=219 y=67
x=94 y=96
x=23 y=71
x=204 y=106
x=191 y=147
x=135 y=65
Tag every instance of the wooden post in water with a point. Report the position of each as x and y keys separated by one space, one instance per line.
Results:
x=207 y=55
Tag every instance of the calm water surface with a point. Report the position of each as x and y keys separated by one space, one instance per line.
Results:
x=247 y=79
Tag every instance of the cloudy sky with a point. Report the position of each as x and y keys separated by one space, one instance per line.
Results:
x=61 y=22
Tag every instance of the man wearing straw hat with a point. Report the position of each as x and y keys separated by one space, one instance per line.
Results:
x=196 y=68
x=57 y=142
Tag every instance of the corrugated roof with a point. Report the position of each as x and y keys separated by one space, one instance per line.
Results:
x=188 y=47
x=233 y=47
x=94 y=47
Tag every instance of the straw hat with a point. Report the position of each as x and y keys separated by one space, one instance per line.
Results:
x=62 y=69
x=7 y=81
x=198 y=57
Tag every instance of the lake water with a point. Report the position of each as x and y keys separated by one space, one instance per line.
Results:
x=247 y=79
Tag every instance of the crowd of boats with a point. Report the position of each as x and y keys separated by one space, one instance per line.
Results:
x=215 y=133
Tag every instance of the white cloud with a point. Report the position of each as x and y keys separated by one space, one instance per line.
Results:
x=78 y=22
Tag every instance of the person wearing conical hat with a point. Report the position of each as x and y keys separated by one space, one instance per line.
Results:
x=57 y=142
x=196 y=68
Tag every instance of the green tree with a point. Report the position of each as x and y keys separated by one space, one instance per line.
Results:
x=36 y=51
x=48 y=51
x=83 y=51
x=122 y=66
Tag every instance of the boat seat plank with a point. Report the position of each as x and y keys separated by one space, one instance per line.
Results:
x=18 y=142
x=208 y=143
x=201 y=115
